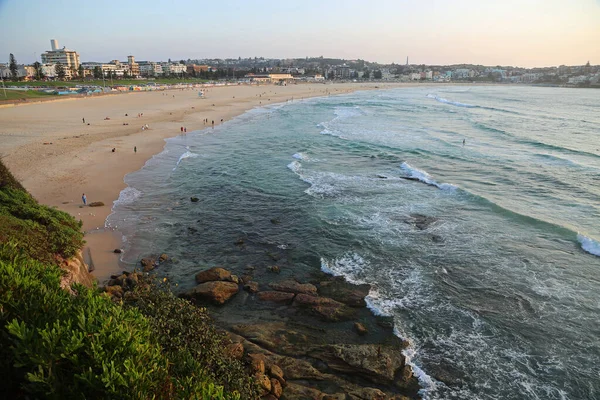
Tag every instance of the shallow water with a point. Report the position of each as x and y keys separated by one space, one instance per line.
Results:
x=487 y=260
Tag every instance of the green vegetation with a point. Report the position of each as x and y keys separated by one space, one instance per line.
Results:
x=24 y=94
x=40 y=232
x=99 y=82
x=56 y=343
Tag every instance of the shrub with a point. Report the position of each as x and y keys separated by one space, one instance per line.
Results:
x=41 y=232
x=189 y=338
x=57 y=345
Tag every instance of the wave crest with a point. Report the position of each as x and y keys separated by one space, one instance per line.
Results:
x=423 y=176
x=589 y=245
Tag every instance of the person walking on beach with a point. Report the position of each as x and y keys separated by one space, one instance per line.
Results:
x=83 y=119
x=135 y=149
x=84 y=199
x=463 y=142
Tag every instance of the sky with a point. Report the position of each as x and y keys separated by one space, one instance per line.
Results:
x=524 y=33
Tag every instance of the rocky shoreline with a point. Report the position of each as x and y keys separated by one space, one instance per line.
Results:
x=302 y=340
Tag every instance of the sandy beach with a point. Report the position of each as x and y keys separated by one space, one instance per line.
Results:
x=58 y=157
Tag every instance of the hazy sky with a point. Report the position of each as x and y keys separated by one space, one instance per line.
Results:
x=490 y=32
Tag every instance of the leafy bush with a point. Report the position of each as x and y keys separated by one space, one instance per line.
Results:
x=57 y=345
x=188 y=337
x=43 y=233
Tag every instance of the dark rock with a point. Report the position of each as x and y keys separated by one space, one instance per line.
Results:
x=264 y=383
x=194 y=199
x=275 y=221
x=118 y=251
x=296 y=391
x=257 y=363
x=147 y=264
x=276 y=297
x=323 y=307
x=274 y=268
x=294 y=287
x=251 y=287
x=344 y=292
x=114 y=291
x=360 y=329
x=96 y=204
x=367 y=394
x=421 y=221
x=380 y=364
x=213 y=274
x=163 y=257
x=276 y=372
x=236 y=350
x=276 y=388
x=217 y=292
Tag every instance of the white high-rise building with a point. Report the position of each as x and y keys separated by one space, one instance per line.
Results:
x=68 y=58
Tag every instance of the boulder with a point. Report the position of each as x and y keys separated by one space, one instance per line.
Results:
x=421 y=221
x=276 y=388
x=114 y=291
x=296 y=391
x=367 y=394
x=257 y=363
x=96 y=204
x=234 y=279
x=337 y=396
x=213 y=274
x=264 y=383
x=360 y=329
x=294 y=287
x=118 y=251
x=274 y=268
x=251 y=287
x=276 y=372
x=217 y=292
x=163 y=257
x=344 y=292
x=380 y=364
x=323 y=307
x=147 y=264
x=276 y=297
x=194 y=199
x=236 y=350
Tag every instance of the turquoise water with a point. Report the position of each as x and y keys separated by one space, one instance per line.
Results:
x=488 y=260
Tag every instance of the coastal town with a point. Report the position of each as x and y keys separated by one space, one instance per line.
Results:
x=62 y=64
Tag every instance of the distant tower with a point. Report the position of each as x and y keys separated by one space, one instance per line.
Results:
x=130 y=60
x=406 y=60
x=54 y=44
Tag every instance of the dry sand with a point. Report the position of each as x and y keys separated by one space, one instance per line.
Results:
x=57 y=157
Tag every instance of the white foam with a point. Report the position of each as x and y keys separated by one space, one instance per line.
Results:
x=300 y=156
x=127 y=195
x=424 y=177
x=446 y=101
x=187 y=154
x=588 y=244
x=351 y=267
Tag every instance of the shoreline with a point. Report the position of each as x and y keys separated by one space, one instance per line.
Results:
x=58 y=157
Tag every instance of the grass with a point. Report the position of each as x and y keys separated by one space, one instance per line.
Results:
x=24 y=94
x=99 y=82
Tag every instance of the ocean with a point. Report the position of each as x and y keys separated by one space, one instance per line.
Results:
x=487 y=258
